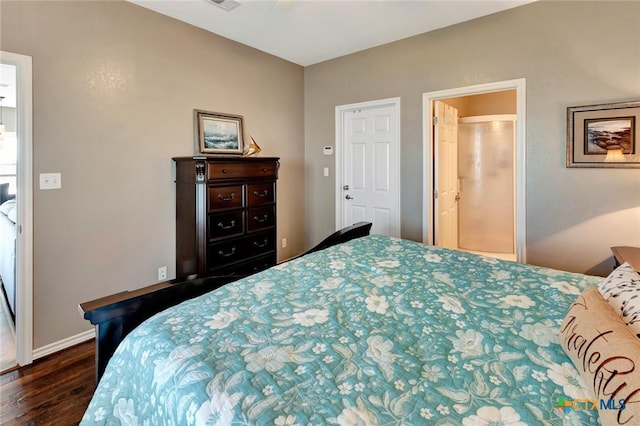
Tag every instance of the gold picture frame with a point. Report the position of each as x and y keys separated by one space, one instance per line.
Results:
x=605 y=135
x=218 y=133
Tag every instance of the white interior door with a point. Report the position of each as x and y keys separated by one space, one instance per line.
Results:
x=446 y=175
x=368 y=166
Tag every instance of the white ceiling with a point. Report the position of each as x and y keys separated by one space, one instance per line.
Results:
x=306 y=32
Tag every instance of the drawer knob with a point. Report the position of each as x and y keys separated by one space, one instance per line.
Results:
x=261 y=194
x=231 y=253
x=264 y=218
x=225 y=171
x=231 y=225
x=223 y=198
x=265 y=170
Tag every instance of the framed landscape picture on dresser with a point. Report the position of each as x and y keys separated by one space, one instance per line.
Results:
x=218 y=133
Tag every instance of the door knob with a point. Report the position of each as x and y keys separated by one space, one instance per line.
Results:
x=349 y=197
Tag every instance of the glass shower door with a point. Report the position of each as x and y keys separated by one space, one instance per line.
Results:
x=486 y=183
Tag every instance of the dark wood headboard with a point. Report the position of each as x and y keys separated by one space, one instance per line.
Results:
x=117 y=315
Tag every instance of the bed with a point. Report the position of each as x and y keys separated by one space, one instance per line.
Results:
x=372 y=331
x=8 y=251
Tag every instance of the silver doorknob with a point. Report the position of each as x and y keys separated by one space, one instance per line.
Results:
x=349 y=197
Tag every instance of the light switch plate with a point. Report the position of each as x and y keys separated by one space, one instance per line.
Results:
x=50 y=180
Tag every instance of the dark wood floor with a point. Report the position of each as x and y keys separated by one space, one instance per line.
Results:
x=54 y=390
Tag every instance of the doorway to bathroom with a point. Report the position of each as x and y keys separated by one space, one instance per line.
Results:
x=474 y=169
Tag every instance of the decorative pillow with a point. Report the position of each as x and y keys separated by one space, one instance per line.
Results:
x=7 y=205
x=607 y=356
x=12 y=215
x=622 y=290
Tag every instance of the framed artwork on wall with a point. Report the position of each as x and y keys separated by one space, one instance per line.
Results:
x=605 y=135
x=218 y=133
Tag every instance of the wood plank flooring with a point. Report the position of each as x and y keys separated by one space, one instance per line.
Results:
x=54 y=390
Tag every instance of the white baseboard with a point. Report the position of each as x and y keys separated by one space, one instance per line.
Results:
x=63 y=344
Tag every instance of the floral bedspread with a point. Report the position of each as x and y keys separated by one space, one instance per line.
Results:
x=376 y=331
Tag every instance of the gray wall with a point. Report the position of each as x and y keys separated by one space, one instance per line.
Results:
x=571 y=53
x=114 y=88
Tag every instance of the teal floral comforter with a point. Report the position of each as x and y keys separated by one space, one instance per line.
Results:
x=377 y=331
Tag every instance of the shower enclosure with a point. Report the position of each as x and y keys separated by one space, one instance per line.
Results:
x=486 y=173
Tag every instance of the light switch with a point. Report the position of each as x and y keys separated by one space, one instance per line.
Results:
x=50 y=180
x=326 y=172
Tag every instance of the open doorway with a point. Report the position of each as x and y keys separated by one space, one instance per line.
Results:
x=8 y=213
x=16 y=210
x=474 y=168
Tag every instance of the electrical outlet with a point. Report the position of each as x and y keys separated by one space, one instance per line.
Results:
x=162 y=273
x=284 y=243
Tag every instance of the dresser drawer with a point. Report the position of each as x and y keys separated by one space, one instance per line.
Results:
x=232 y=170
x=240 y=249
x=261 y=244
x=225 y=253
x=225 y=197
x=261 y=218
x=226 y=225
x=248 y=268
x=258 y=195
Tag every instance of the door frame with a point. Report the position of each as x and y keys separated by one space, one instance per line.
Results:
x=519 y=85
x=24 y=200
x=340 y=112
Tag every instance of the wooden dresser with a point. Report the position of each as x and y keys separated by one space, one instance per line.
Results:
x=225 y=215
